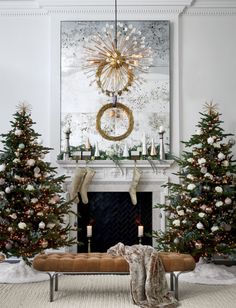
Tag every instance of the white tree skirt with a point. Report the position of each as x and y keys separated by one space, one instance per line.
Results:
x=19 y=272
x=209 y=273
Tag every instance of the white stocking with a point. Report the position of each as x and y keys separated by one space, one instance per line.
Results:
x=133 y=187
x=76 y=183
x=85 y=185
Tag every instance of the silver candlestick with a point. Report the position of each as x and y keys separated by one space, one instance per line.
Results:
x=89 y=244
x=162 y=149
x=68 y=132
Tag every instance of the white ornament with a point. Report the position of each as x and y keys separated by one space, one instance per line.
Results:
x=7 y=190
x=2 y=167
x=201 y=215
x=203 y=170
x=41 y=225
x=16 y=160
x=176 y=222
x=208 y=175
x=21 y=146
x=18 y=132
x=225 y=163
x=210 y=140
x=214 y=228
x=30 y=162
x=21 y=225
x=190 y=177
x=228 y=200
x=30 y=187
x=13 y=216
x=176 y=240
x=180 y=213
x=2 y=181
x=194 y=200
x=218 y=189
x=191 y=186
x=200 y=226
x=36 y=170
x=201 y=161
x=40 y=214
x=221 y=156
x=219 y=203
x=34 y=200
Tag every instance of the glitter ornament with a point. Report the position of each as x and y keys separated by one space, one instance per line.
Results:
x=200 y=226
x=21 y=146
x=198 y=245
x=44 y=243
x=18 y=132
x=208 y=210
x=41 y=225
x=228 y=201
x=8 y=245
x=176 y=241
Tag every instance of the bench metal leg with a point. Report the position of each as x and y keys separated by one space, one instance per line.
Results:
x=51 y=278
x=56 y=282
x=172 y=281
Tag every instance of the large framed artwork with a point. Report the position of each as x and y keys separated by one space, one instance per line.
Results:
x=80 y=101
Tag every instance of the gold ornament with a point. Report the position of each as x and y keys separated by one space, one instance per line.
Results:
x=2 y=257
x=211 y=108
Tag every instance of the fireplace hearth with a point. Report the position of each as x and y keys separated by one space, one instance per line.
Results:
x=114 y=219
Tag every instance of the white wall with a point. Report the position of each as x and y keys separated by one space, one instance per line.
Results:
x=207 y=63
x=25 y=70
x=208 y=56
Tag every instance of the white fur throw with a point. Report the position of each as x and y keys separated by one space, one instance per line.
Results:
x=148 y=283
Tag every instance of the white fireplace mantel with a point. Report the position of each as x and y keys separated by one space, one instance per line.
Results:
x=112 y=178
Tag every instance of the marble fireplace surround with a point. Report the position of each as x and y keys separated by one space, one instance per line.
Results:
x=110 y=178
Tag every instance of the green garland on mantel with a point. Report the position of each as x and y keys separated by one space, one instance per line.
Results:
x=112 y=154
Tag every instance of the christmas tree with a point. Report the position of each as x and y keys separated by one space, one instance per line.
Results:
x=201 y=210
x=33 y=213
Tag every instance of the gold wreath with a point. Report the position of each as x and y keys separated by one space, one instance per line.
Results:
x=129 y=116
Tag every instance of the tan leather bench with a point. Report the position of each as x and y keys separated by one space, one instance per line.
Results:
x=103 y=263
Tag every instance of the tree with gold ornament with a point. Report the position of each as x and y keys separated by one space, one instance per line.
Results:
x=201 y=209
x=33 y=212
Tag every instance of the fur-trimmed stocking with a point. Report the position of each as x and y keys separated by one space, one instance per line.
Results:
x=76 y=183
x=84 y=187
x=133 y=187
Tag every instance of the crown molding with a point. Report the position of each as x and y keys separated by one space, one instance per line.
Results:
x=214 y=4
x=105 y=11
x=214 y=11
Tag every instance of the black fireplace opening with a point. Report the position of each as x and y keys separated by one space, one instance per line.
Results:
x=114 y=219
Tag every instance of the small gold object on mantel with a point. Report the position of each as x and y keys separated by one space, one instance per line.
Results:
x=123 y=109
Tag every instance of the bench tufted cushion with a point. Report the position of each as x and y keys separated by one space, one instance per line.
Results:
x=103 y=262
x=80 y=262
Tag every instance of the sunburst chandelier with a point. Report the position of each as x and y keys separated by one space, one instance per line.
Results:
x=116 y=58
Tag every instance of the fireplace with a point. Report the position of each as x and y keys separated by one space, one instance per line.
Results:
x=114 y=219
x=110 y=181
